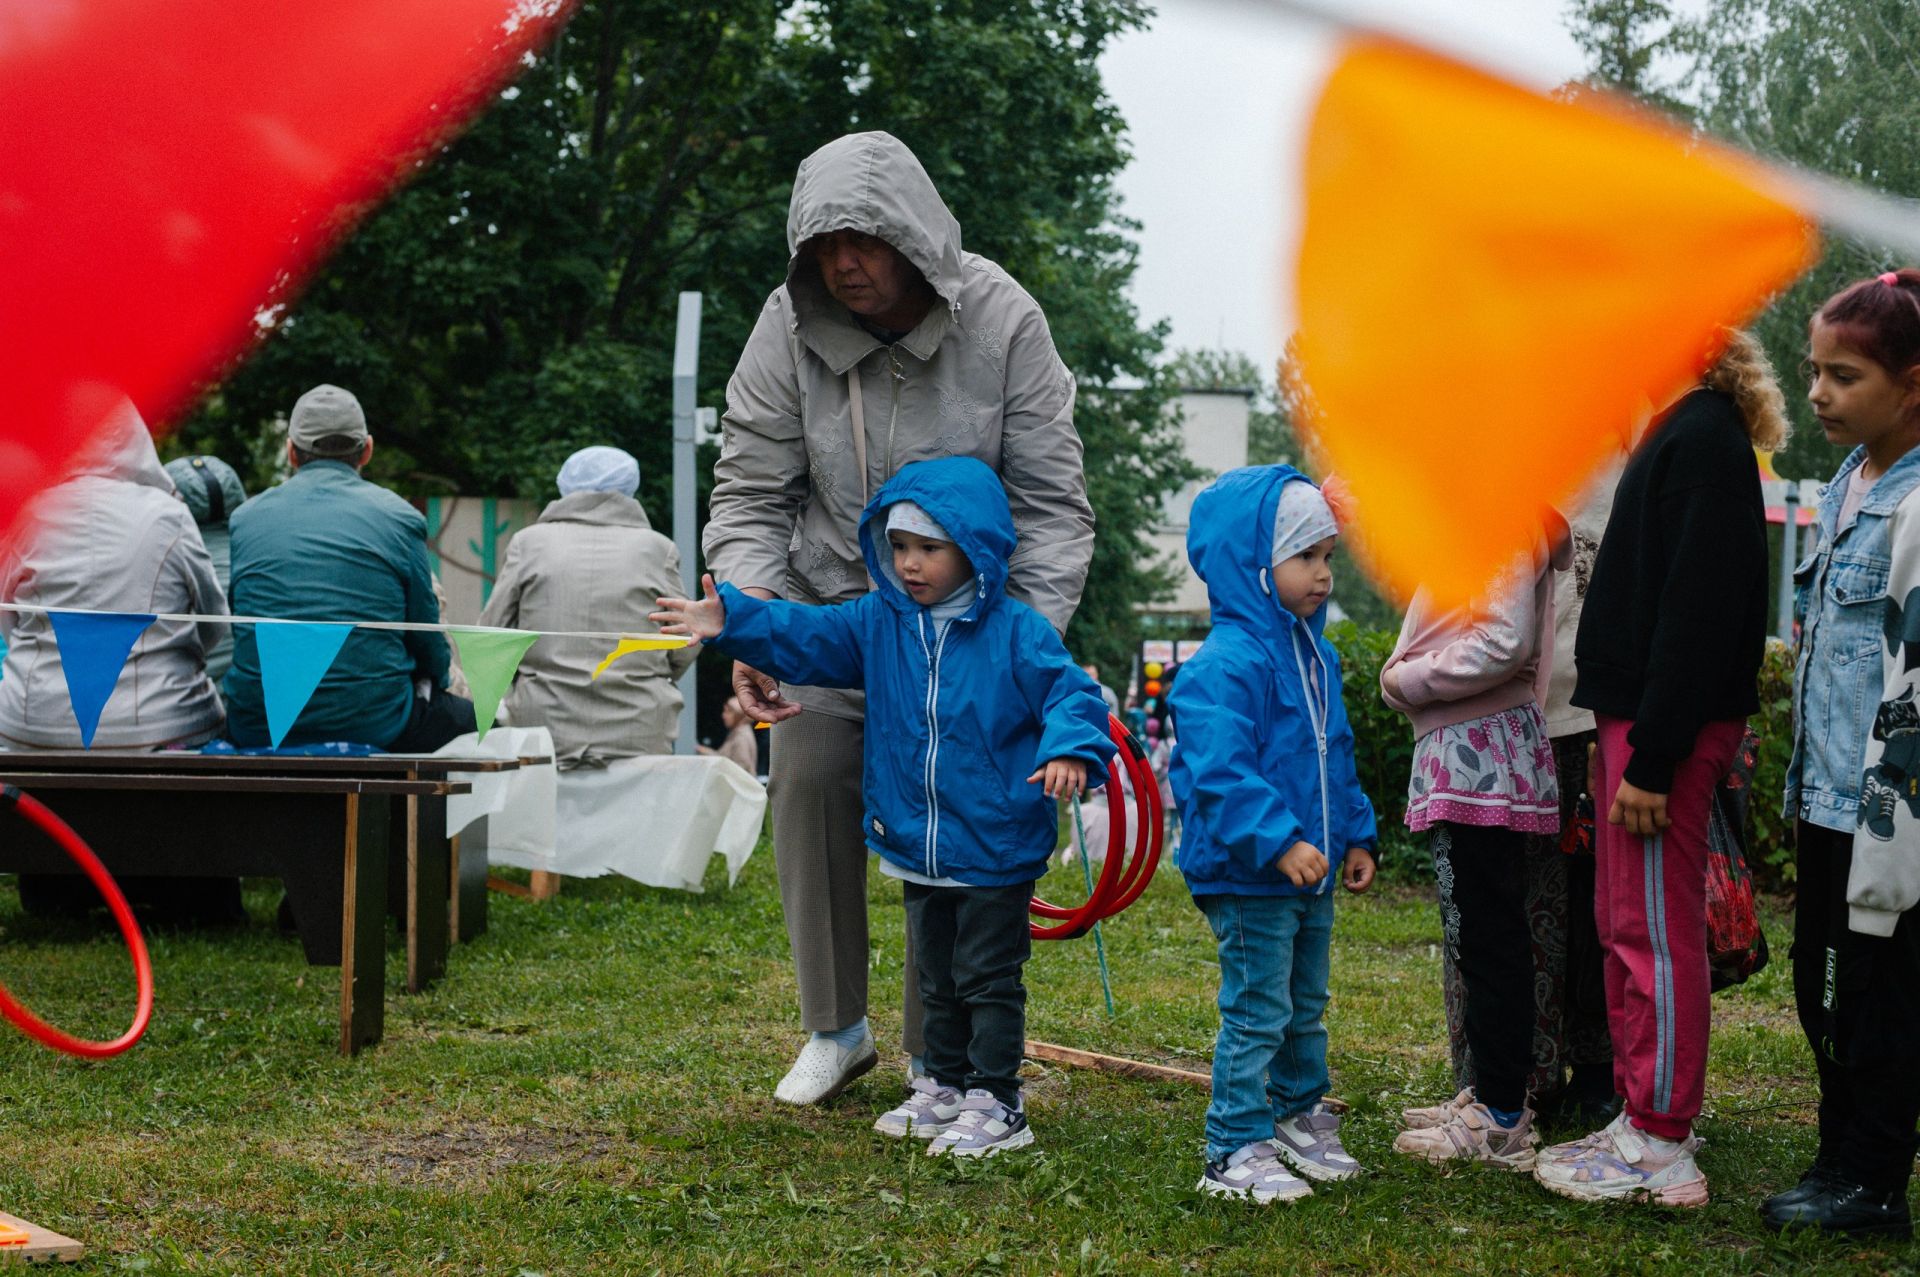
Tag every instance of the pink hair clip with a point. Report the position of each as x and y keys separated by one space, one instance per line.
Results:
x=1339 y=499
x=1890 y=279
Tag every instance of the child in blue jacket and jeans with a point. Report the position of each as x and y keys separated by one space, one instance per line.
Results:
x=977 y=720
x=1274 y=813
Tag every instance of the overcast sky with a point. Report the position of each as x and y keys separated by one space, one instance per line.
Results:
x=1215 y=95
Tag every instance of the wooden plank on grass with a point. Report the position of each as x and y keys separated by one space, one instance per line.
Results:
x=1114 y=1064
x=43 y=1245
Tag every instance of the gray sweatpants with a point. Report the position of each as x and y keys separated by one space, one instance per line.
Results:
x=820 y=852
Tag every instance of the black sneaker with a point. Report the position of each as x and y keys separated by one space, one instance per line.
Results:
x=1849 y=1210
x=1812 y=1180
x=1877 y=802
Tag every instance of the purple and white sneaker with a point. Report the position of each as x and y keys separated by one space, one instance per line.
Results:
x=1310 y=1143
x=984 y=1127
x=1253 y=1173
x=928 y=1110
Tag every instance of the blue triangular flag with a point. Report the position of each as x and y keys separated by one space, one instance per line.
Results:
x=293 y=660
x=93 y=647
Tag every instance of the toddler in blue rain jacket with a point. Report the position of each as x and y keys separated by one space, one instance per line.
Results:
x=1273 y=813
x=977 y=720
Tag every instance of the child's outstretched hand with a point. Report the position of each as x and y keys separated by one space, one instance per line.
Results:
x=1303 y=864
x=703 y=620
x=1062 y=778
x=1358 y=875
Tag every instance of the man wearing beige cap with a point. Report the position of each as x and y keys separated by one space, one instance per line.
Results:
x=327 y=545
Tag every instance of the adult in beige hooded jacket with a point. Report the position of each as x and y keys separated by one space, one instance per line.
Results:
x=112 y=537
x=960 y=364
x=592 y=562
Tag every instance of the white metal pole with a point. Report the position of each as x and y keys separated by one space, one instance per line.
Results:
x=686 y=363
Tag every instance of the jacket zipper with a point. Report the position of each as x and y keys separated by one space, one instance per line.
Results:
x=931 y=854
x=1320 y=743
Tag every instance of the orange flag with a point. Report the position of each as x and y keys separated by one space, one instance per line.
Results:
x=1491 y=281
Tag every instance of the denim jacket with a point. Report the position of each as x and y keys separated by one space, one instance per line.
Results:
x=1840 y=597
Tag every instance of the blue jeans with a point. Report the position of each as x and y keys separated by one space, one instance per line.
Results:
x=1270 y=1060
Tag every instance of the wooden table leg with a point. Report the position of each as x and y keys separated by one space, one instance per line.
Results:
x=363 y=921
x=470 y=882
x=429 y=887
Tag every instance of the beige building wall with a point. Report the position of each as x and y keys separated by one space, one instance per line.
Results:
x=1214 y=426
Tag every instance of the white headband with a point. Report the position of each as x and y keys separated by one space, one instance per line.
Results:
x=1303 y=519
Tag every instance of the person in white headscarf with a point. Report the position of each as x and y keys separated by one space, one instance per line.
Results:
x=592 y=562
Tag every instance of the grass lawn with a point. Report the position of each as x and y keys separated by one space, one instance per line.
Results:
x=588 y=1091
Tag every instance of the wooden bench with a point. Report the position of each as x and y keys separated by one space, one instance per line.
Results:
x=436 y=885
x=325 y=837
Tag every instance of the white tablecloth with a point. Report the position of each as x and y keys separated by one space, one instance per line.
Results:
x=657 y=819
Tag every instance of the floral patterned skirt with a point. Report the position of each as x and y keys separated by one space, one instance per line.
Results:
x=1497 y=770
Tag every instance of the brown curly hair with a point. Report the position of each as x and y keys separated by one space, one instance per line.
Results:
x=1743 y=371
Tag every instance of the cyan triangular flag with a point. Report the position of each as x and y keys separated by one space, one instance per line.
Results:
x=93 y=647
x=293 y=660
x=490 y=658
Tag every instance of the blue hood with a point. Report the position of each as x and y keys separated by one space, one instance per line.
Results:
x=1229 y=541
x=965 y=496
x=1265 y=756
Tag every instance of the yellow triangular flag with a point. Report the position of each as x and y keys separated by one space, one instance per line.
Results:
x=651 y=643
x=1491 y=281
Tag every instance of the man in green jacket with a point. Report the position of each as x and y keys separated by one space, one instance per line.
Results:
x=327 y=545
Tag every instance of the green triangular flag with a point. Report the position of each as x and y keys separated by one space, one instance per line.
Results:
x=489 y=658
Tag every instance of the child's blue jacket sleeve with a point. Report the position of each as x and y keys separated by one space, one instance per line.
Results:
x=798 y=643
x=1061 y=694
x=1218 y=759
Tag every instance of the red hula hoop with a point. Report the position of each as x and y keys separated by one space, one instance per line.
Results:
x=1124 y=876
x=32 y=1025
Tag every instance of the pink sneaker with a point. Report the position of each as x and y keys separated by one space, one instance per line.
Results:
x=1420 y=1119
x=1623 y=1164
x=1471 y=1135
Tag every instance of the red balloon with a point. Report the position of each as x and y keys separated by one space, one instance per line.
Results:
x=176 y=167
x=1153 y=687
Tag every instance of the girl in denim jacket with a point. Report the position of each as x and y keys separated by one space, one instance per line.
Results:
x=1856 y=977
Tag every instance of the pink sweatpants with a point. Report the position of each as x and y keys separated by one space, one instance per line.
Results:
x=1650 y=907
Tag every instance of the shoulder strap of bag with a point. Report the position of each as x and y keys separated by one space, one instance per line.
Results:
x=859 y=430
x=859 y=444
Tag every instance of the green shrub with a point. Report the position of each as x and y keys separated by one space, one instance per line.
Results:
x=1771 y=853
x=1383 y=747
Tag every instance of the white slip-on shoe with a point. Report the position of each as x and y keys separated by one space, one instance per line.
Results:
x=824 y=1069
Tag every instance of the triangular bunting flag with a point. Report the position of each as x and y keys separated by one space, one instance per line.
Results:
x=489 y=658
x=1492 y=283
x=93 y=647
x=294 y=657
x=652 y=643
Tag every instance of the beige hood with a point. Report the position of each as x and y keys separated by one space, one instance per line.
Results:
x=870 y=182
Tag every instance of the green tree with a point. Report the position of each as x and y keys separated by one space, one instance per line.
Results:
x=1623 y=41
x=1834 y=86
x=516 y=300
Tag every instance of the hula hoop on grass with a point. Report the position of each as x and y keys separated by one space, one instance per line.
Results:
x=1123 y=877
x=36 y=813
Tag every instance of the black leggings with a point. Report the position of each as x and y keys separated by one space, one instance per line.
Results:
x=1483 y=909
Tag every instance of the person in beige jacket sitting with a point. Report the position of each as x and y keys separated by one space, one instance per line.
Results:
x=592 y=562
